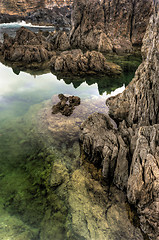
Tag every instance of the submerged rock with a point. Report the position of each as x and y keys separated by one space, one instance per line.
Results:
x=129 y=155
x=76 y=62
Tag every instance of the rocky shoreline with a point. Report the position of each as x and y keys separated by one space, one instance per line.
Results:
x=91 y=34
x=129 y=154
x=29 y=48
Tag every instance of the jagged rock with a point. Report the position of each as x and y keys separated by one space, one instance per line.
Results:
x=59 y=40
x=6 y=18
x=76 y=62
x=109 y=25
x=56 y=16
x=104 y=147
x=143 y=182
x=63 y=107
x=26 y=47
x=136 y=112
x=138 y=104
x=29 y=47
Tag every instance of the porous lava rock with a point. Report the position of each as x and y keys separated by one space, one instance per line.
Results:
x=66 y=105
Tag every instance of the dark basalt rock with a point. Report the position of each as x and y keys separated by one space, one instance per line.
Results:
x=66 y=105
x=6 y=18
x=57 y=16
x=129 y=155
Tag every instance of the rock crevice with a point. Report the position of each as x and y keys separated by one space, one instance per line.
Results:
x=109 y=26
x=129 y=155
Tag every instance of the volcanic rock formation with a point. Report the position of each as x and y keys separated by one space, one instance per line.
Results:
x=109 y=25
x=129 y=153
x=26 y=47
x=77 y=63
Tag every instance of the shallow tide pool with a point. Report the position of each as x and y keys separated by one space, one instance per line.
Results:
x=47 y=191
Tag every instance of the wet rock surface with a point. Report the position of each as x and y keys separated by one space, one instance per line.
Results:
x=130 y=153
x=109 y=26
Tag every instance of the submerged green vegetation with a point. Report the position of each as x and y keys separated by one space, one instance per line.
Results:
x=46 y=191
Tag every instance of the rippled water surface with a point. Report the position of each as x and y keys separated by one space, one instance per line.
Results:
x=47 y=191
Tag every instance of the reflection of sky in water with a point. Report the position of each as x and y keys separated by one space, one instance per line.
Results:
x=48 y=84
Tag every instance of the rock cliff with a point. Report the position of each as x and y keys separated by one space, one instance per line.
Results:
x=109 y=25
x=129 y=153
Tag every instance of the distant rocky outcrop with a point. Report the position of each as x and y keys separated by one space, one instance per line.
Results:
x=21 y=7
x=28 y=47
x=109 y=26
x=76 y=62
x=129 y=152
x=57 y=16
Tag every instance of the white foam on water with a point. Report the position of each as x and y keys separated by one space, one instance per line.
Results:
x=22 y=24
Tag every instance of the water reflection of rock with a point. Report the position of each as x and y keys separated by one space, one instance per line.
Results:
x=105 y=83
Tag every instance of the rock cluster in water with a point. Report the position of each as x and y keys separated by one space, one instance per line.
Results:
x=109 y=26
x=129 y=154
x=66 y=105
x=28 y=47
x=77 y=62
x=80 y=206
